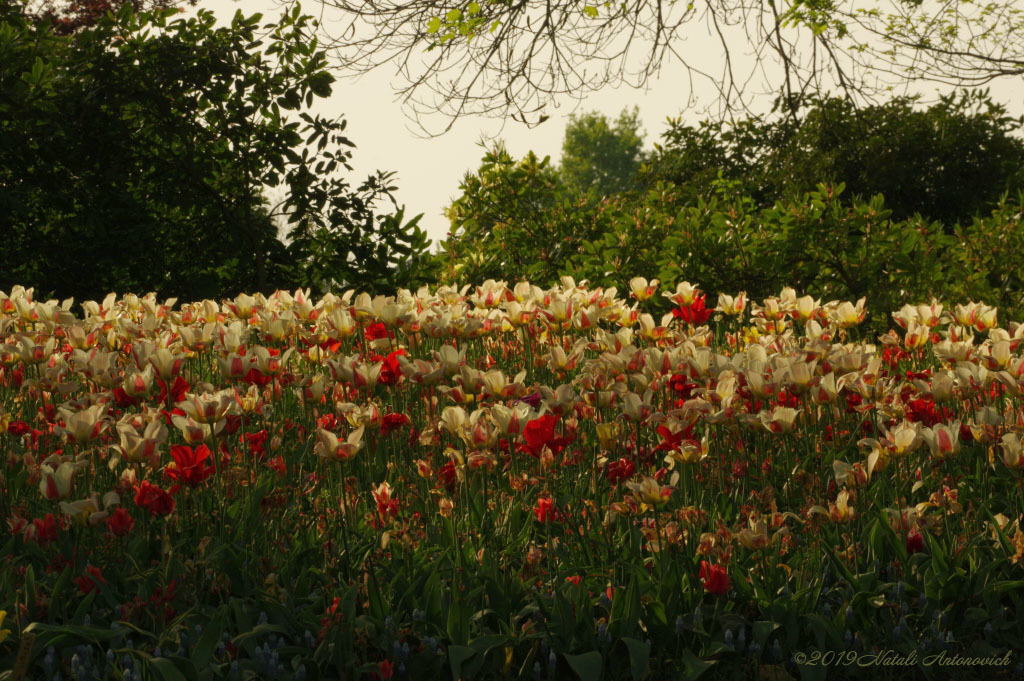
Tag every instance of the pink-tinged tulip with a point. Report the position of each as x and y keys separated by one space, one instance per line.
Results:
x=209 y=407
x=978 y=315
x=649 y=493
x=339 y=324
x=903 y=439
x=491 y=294
x=89 y=511
x=387 y=505
x=166 y=363
x=942 y=440
x=196 y=338
x=510 y=420
x=559 y=309
x=267 y=363
x=636 y=408
x=755 y=537
x=684 y=295
x=242 y=307
x=917 y=336
x=1012 y=451
x=497 y=385
x=32 y=352
x=520 y=314
x=329 y=447
x=139 y=383
x=194 y=432
x=732 y=306
x=998 y=355
x=421 y=371
x=940 y=389
x=83 y=425
x=806 y=308
x=641 y=289
x=142 y=448
x=828 y=389
x=855 y=475
x=234 y=366
x=799 y=376
x=57 y=483
x=780 y=419
x=838 y=512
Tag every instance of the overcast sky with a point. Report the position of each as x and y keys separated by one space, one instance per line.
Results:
x=429 y=170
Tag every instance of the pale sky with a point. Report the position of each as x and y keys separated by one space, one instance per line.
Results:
x=429 y=170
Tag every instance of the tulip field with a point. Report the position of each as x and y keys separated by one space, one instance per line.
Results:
x=509 y=482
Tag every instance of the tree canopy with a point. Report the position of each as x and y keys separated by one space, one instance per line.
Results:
x=142 y=147
x=515 y=57
x=600 y=157
x=948 y=162
x=766 y=203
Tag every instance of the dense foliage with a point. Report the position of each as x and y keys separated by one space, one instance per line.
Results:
x=154 y=137
x=761 y=205
x=948 y=162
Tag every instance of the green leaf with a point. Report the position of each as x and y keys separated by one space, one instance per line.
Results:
x=163 y=668
x=590 y=11
x=639 y=654
x=457 y=656
x=434 y=25
x=207 y=644
x=693 y=666
x=588 y=666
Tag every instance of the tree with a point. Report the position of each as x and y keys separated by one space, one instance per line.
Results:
x=68 y=16
x=600 y=158
x=514 y=57
x=948 y=162
x=502 y=221
x=134 y=155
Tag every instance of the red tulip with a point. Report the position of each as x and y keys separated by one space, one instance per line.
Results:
x=714 y=578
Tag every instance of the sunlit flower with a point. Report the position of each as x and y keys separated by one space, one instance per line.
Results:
x=330 y=447
x=641 y=289
x=732 y=306
x=84 y=425
x=649 y=492
x=188 y=465
x=943 y=440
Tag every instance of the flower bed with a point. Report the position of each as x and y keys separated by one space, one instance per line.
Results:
x=508 y=482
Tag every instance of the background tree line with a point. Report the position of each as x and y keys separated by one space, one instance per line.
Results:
x=896 y=202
